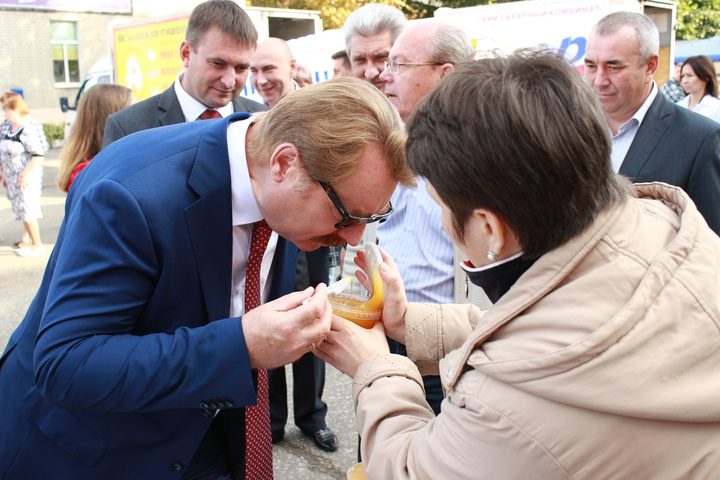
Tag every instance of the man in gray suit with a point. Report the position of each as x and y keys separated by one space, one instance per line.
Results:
x=217 y=50
x=654 y=140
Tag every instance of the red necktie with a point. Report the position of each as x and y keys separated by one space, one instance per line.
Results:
x=207 y=114
x=258 y=445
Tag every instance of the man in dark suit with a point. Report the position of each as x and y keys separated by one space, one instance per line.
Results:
x=653 y=139
x=217 y=50
x=139 y=355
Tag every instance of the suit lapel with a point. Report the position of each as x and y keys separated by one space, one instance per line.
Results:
x=651 y=130
x=170 y=111
x=209 y=219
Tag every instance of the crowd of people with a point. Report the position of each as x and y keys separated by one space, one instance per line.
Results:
x=551 y=261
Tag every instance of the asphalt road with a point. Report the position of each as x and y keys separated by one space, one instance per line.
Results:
x=294 y=458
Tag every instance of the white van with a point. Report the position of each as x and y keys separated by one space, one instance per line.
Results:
x=100 y=72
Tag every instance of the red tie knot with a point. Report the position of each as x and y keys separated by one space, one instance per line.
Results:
x=208 y=114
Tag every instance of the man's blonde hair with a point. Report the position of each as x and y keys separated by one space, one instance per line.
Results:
x=331 y=123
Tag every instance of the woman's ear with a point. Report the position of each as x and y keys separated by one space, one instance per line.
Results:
x=501 y=240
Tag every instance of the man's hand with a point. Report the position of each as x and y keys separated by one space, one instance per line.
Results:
x=347 y=345
x=285 y=329
x=395 y=303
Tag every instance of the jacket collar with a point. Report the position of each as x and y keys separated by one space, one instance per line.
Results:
x=209 y=219
x=553 y=268
x=649 y=134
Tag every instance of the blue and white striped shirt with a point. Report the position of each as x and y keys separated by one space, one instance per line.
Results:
x=414 y=238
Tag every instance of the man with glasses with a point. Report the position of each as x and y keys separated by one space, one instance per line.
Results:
x=145 y=351
x=421 y=56
x=272 y=70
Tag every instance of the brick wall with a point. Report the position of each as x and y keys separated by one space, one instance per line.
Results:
x=26 y=56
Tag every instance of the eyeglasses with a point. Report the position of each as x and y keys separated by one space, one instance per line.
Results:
x=351 y=220
x=393 y=66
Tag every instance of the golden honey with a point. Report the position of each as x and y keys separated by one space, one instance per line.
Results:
x=355 y=309
x=356 y=472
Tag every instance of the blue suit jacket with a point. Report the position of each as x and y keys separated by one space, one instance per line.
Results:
x=126 y=351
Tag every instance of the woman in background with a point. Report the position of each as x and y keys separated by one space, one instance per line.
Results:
x=86 y=136
x=698 y=80
x=21 y=155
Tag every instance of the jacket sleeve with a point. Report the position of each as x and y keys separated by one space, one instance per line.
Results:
x=402 y=439
x=431 y=331
x=704 y=183
x=88 y=354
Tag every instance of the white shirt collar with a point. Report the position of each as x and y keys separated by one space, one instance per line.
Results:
x=191 y=108
x=641 y=112
x=245 y=209
x=470 y=269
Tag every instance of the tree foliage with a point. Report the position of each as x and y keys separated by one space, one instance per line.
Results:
x=698 y=19
x=334 y=12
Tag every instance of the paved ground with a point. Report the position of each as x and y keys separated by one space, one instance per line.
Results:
x=295 y=458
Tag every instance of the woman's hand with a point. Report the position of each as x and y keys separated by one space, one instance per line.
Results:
x=22 y=180
x=347 y=345
x=395 y=303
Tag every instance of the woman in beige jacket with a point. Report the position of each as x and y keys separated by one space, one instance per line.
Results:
x=600 y=358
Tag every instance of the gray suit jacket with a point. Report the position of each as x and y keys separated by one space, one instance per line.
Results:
x=158 y=111
x=680 y=147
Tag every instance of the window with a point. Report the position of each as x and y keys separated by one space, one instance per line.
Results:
x=66 y=64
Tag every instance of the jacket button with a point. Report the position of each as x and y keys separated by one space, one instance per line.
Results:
x=204 y=405
x=229 y=404
x=449 y=372
x=176 y=467
x=206 y=413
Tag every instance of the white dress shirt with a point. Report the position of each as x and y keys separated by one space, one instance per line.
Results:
x=192 y=109
x=709 y=106
x=628 y=130
x=245 y=212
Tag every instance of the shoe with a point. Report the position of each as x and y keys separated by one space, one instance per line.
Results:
x=325 y=439
x=278 y=436
x=30 y=251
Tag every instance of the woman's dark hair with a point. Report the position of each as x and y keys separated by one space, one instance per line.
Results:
x=704 y=69
x=523 y=136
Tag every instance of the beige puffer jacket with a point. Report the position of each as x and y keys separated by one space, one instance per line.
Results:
x=601 y=362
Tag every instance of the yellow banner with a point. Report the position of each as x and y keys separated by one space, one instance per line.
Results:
x=147 y=55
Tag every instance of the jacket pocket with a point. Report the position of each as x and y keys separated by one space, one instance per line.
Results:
x=61 y=428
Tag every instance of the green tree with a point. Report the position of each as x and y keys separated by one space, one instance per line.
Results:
x=334 y=12
x=698 y=19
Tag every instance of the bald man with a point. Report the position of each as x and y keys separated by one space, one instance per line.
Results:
x=272 y=70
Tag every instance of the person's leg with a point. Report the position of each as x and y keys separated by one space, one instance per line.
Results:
x=308 y=383
x=35 y=247
x=33 y=231
x=278 y=403
x=309 y=409
x=25 y=240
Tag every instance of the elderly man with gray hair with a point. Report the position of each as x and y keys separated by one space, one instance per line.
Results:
x=370 y=32
x=422 y=56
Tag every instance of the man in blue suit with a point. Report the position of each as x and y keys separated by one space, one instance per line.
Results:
x=136 y=357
